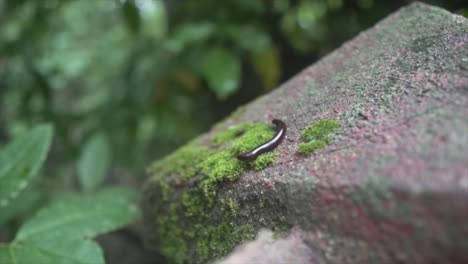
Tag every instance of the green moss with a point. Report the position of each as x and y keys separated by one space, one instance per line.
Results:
x=183 y=218
x=230 y=206
x=264 y=160
x=220 y=240
x=256 y=134
x=230 y=133
x=174 y=243
x=183 y=162
x=244 y=136
x=194 y=205
x=319 y=130
x=222 y=165
x=181 y=223
x=316 y=136
x=311 y=147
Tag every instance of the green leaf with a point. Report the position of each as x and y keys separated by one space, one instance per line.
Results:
x=61 y=232
x=268 y=66
x=131 y=15
x=5 y=254
x=250 y=37
x=81 y=217
x=21 y=160
x=309 y=13
x=188 y=35
x=52 y=252
x=24 y=205
x=94 y=161
x=194 y=32
x=222 y=70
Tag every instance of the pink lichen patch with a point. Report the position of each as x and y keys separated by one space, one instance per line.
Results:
x=429 y=80
x=406 y=172
x=456 y=40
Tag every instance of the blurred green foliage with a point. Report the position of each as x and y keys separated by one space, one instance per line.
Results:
x=125 y=81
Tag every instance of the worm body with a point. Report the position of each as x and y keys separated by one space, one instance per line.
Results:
x=268 y=146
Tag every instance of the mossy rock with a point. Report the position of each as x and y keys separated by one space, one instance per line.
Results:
x=381 y=174
x=187 y=183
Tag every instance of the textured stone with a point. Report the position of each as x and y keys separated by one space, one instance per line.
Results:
x=266 y=249
x=391 y=186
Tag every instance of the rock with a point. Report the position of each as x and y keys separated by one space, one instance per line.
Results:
x=373 y=168
x=265 y=249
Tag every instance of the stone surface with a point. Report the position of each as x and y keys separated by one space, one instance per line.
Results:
x=266 y=249
x=391 y=186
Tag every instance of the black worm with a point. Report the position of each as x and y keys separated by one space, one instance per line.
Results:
x=268 y=146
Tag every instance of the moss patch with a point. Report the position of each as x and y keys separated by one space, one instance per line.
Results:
x=264 y=160
x=184 y=162
x=218 y=241
x=183 y=218
x=317 y=136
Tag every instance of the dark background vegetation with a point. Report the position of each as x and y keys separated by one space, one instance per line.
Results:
x=127 y=81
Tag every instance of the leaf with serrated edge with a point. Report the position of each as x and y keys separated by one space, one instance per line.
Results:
x=21 y=160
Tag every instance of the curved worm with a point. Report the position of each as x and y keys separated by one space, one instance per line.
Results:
x=268 y=146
